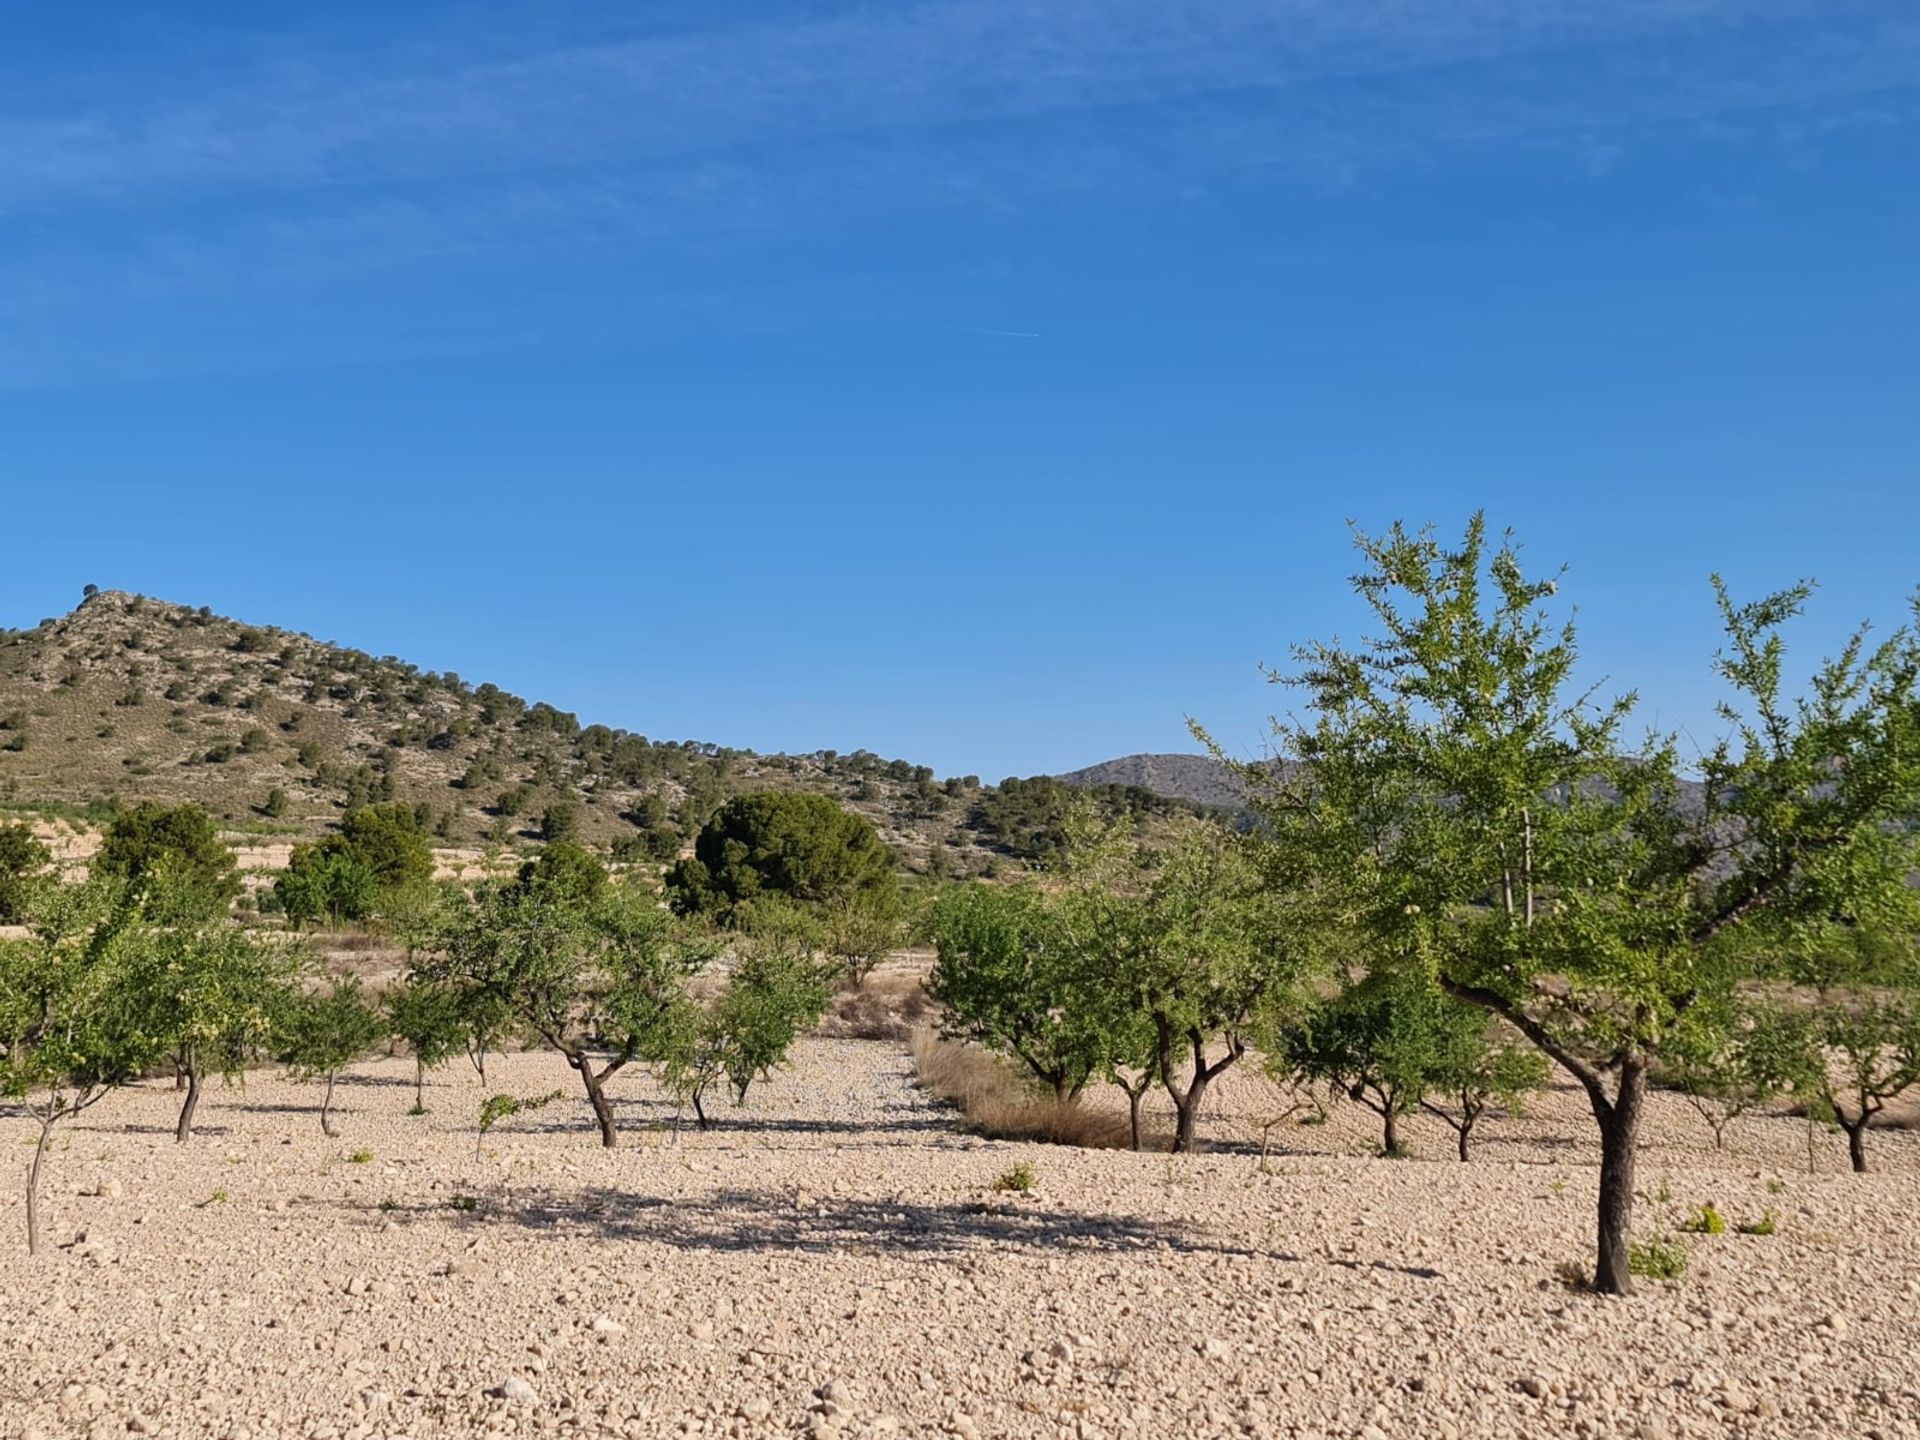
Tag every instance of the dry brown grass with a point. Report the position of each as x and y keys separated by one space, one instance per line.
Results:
x=886 y=1005
x=996 y=1102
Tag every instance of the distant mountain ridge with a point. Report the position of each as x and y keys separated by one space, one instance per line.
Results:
x=1200 y=779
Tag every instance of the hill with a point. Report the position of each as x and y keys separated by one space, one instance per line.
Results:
x=1196 y=779
x=131 y=698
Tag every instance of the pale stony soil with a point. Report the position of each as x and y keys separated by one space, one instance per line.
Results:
x=835 y=1260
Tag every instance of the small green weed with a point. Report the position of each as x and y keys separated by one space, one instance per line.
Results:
x=1765 y=1225
x=466 y=1204
x=1657 y=1258
x=1558 y=1187
x=1776 y=1187
x=1705 y=1221
x=1019 y=1179
x=1665 y=1193
x=360 y=1157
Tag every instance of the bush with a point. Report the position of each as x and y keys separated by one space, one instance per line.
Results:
x=1657 y=1258
x=799 y=846
x=1705 y=1221
x=181 y=840
x=1019 y=1180
x=23 y=861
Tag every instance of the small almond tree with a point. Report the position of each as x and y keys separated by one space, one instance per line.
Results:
x=1475 y=813
x=776 y=990
x=434 y=1025
x=67 y=1036
x=599 y=977
x=1856 y=1047
x=1009 y=979
x=321 y=1034
x=1730 y=1054
x=208 y=994
x=1478 y=1064
x=1194 y=941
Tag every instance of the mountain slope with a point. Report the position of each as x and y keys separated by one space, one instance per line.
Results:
x=1197 y=779
x=133 y=698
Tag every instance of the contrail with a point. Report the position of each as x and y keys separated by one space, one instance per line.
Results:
x=1010 y=334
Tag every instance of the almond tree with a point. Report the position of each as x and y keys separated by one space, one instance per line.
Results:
x=1194 y=941
x=67 y=1037
x=599 y=977
x=1856 y=1048
x=1008 y=979
x=322 y=1033
x=1478 y=814
x=207 y=995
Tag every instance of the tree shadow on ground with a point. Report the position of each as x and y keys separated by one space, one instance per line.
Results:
x=770 y=1221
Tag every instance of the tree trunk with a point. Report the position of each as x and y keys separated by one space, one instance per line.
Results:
x=326 y=1109
x=183 y=1131
x=699 y=1111
x=419 y=1086
x=1465 y=1128
x=597 y=1098
x=1134 y=1097
x=1856 y=1141
x=1186 y=1105
x=1390 y=1137
x=1619 y=1135
x=33 y=1186
x=1186 y=1114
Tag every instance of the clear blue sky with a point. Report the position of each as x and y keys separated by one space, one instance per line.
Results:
x=984 y=382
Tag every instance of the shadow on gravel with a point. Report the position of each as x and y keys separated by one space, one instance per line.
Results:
x=769 y=1221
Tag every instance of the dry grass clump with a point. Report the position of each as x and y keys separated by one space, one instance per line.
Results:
x=995 y=1102
x=886 y=1005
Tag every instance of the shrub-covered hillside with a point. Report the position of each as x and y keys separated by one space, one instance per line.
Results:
x=132 y=698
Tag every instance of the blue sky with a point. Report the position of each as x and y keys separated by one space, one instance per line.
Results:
x=982 y=382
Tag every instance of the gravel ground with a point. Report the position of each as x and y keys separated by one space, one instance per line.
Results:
x=835 y=1260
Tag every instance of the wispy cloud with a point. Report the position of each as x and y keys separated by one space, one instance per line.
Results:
x=306 y=164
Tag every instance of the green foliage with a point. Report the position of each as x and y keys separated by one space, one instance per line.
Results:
x=793 y=844
x=181 y=840
x=1857 y=1049
x=602 y=980
x=496 y=1108
x=776 y=989
x=1657 y=1258
x=67 y=1036
x=1009 y=978
x=429 y=1019
x=567 y=872
x=380 y=851
x=1707 y=1220
x=1195 y=948
x=1767 y=1224
x=326 y=881
x=389 y=841
x=209 y=995
x=1018 y=1180
x=560 y=822
x=1479 y=816
x=275 y=805
x=321 y=1032
x=360 y=1157
x=1393 y=1042
x=24 y=863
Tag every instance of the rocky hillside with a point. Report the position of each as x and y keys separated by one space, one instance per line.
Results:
x=129 y=698
x=1196 y=779
x=133 y=698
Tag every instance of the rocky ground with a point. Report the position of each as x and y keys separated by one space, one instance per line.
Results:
x=836 y=1260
